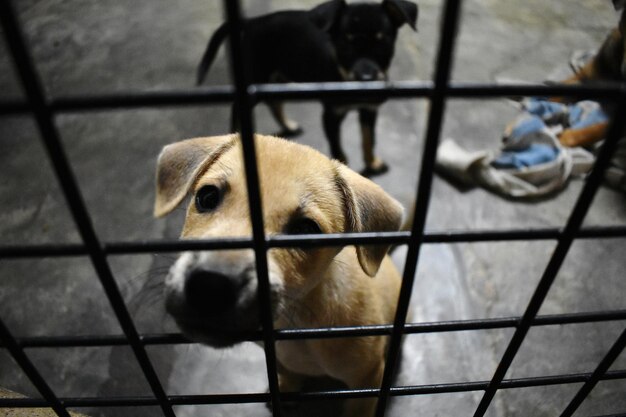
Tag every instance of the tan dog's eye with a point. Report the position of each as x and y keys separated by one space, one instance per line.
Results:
x=303 y=226
x=207 y=198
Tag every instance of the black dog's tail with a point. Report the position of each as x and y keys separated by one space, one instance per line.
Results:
x=211 y=50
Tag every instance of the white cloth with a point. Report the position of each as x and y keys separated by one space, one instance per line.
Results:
x=534 y=181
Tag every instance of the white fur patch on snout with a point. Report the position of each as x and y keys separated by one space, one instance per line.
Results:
x=238 y=265
x=175 y=279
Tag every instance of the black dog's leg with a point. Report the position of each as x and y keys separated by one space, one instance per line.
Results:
x=235 y=121
x=373 y=164
x=289 y=127
x=332 y=119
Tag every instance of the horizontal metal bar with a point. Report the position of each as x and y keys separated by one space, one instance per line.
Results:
x=613 y=415
x=602 y=232
x=418 y=328
x=14 y=106
x=444 y=388
x=506 y=384
x=573 y=318
x=397 y=238
x=43 y=250
x=126 y=100
x=123 y=248
x=220 y=399
x=93 y=340
x=344 y=91
x=198 y=96
x=332 y=332
x=600 y=91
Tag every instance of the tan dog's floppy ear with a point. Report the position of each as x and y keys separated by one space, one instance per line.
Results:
x=368 y=209
x=179 y=165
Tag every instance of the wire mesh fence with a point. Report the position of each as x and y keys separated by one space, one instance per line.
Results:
x=43 y=109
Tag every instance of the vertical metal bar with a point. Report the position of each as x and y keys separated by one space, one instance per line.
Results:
x=447 y=38
x=31 y=372
x=244 y=108
x=52 y=142
x=599 y=372
x=570 y=231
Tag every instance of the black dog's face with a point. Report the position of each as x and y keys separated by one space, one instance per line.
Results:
x=364 y=42
x=364 y=34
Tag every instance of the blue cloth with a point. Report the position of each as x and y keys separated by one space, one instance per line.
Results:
x=572 y=116
x=584 y=114
x=524 y=127
x=524 y=145
x=533 y=155
x=545 y=109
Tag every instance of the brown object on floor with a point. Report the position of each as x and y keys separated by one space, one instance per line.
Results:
x=608 y=65
x=585 y=136
x=27 y=412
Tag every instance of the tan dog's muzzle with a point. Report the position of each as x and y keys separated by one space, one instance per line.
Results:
x=213 y=296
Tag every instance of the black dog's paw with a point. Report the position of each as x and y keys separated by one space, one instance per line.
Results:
x=372 y=171
x=288 y=409
x=290 y=133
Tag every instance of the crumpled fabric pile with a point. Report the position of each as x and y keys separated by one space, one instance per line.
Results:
x=531 y=162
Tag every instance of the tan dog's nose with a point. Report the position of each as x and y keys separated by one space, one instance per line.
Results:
x=208 y=293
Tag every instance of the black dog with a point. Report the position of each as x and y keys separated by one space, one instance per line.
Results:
x=334 y=41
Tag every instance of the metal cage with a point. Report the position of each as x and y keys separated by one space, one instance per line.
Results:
x=437 y=91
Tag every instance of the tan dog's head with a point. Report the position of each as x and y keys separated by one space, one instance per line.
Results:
x=212 y=294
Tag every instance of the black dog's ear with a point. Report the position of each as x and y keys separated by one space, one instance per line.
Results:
x=325 y=15
x=619 y=4
x=401 y=12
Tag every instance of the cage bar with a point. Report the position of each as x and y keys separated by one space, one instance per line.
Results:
x=243 y=110
x=574 y=223
x=52 y=143
x=435 y=119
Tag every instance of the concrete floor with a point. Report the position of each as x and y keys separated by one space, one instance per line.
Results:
x=91 y=46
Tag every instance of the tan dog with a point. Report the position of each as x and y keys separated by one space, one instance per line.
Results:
x=212 y=294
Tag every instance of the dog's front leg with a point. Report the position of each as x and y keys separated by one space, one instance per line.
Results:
x=585 y=136
x=289 y=127
x=373 y=164
x=365 y=407
x=289 y=382
x=332 y=118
